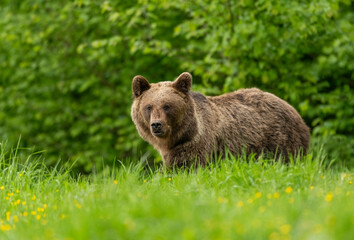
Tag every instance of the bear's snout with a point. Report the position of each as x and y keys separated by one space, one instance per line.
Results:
x=157 y=128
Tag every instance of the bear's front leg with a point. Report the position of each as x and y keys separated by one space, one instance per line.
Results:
x=183 y=158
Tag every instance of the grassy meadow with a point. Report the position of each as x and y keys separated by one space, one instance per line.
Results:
x=231 y=199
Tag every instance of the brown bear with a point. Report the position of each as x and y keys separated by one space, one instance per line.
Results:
x=187 y=127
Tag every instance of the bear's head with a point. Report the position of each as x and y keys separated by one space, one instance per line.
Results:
x=160 y=109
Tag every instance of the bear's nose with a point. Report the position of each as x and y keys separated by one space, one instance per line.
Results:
x=156 y=126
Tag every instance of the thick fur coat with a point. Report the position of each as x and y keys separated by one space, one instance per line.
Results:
x=187 y=127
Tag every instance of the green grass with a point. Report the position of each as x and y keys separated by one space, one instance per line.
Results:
x=233 y=199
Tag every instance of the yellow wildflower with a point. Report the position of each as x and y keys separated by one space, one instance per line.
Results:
x=262 y=209
x=285 y=229
x=33 y=213
x=258 y=194
x=2 y=187
x=34 y=197
x=312 y=187
x=6 y=227
x=38 y=217
x=115 y=181
x=276 y=195
x=15 y=218
x=240 y=204
x=8 y=215
x=329 y=197
x=289 y=190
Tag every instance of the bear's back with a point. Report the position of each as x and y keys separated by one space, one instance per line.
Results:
x=264 y=119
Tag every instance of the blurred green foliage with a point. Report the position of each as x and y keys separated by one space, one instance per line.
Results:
x=66 y=66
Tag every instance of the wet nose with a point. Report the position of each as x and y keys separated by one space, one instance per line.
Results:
x=156 y=126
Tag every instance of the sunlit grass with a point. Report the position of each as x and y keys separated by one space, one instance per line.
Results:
x=232 y=199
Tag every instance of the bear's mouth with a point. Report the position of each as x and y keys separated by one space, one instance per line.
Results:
x=158 y=133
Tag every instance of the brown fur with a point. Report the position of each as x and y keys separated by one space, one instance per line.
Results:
x=186 y=126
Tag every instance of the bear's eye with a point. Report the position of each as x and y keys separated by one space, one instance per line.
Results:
x=166 y=108
x=149 y=108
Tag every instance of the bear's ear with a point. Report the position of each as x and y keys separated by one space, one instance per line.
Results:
x=183 y=83
x=140 y=84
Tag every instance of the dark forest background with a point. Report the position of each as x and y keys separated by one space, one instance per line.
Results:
x=66 y=67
